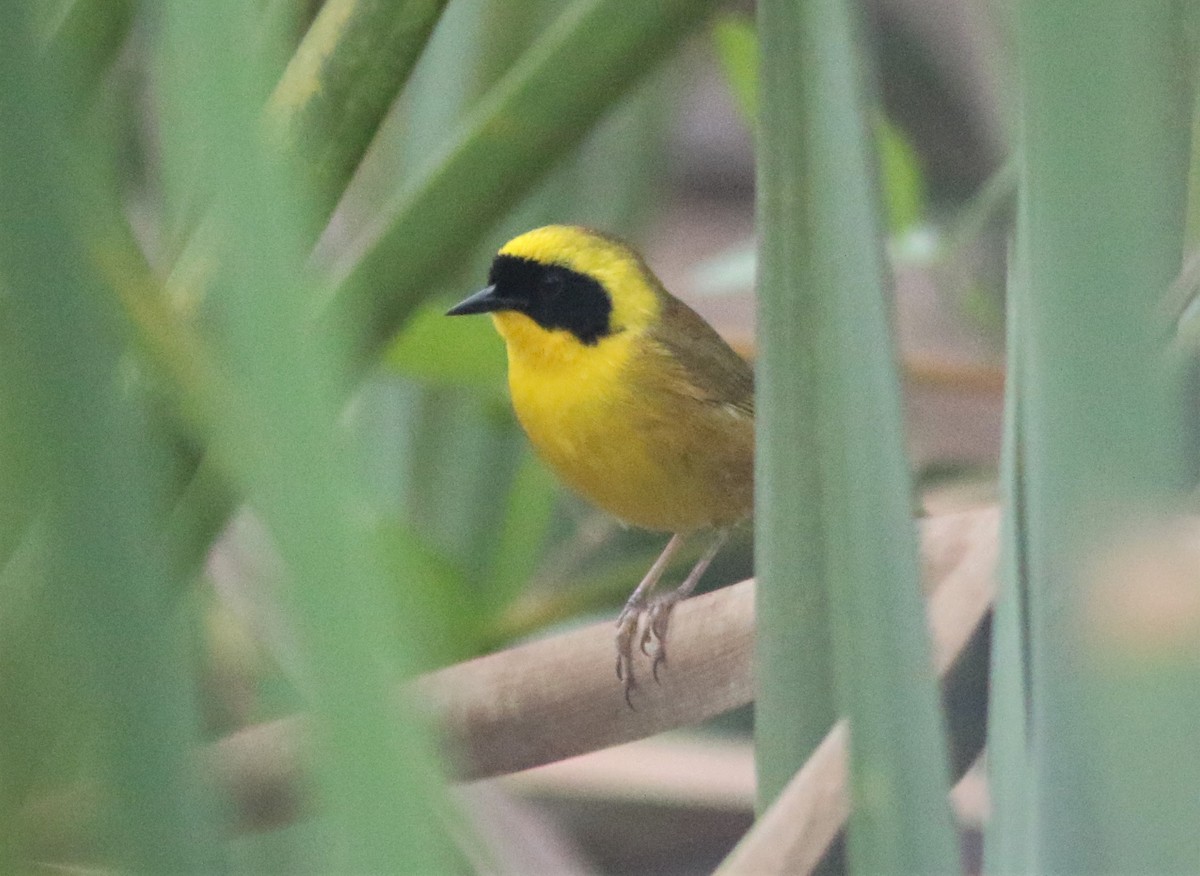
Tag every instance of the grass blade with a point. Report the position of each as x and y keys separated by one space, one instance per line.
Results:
x=795 y=705
x=108 y=573
x=1114 y=705
x=829 y=374
x=340 y=82
x=1006 y=841
x=376 y=771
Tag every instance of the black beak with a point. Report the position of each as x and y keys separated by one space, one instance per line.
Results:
x=486 y=300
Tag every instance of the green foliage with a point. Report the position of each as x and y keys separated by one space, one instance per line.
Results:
x=139 y=411
x=478 y=359
x=902 y=179
x=340 y=82
x=209 y=353
x=793 y=709
x=836 y=544
x=737 y=50
x=1094 y=766
x=102 y=571
x=904 y=198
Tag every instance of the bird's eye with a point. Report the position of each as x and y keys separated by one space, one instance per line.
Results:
x=553 y=283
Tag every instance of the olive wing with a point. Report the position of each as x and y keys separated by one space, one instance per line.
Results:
x=711 y=369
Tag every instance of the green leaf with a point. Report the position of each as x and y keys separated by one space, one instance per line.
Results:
x=107 y=588
x=452 y=352
x=795 y=704
x=1101 y=225
x=340 y=82
x=737 y=50
x=1008 y=846
x=84 y=39
x=375 y=772
x=904 y=193
x=900 y=170
x=529 y=512
x=837 y=551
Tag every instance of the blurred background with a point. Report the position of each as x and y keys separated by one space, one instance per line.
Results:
x=475 y=546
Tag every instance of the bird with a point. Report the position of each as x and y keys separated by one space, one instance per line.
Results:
x=630 y=397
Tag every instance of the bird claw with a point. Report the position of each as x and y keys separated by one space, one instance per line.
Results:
x=627 y=627
x=648 y=626
x=660 y=620
x=660 y=657
x=644 y=641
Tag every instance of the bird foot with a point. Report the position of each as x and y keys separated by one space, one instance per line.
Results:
x=628 y=623
x=659 y=619
x=647 y=625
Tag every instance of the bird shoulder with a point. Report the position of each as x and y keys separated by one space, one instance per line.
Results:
x=713 y=371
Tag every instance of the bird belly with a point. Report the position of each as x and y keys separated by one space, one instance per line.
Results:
x=649 y=457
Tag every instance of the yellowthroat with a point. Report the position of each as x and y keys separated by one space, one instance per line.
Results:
x=631 y=398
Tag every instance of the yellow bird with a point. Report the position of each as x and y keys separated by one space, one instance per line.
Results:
x=629 y=396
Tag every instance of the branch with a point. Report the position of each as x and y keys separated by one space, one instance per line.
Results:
x=559 y=697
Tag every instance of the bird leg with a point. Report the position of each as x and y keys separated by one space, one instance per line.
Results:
x=635 y=608
x=660 y=609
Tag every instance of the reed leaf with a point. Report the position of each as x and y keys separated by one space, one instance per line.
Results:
x=1105 y=107
x=279 y=434
x=837 y=556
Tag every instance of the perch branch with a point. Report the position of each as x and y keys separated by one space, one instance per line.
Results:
x=559 y=697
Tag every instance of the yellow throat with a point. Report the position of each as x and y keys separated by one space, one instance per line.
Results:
x=604 y=402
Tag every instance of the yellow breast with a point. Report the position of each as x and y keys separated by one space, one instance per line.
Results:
x=611 y=420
